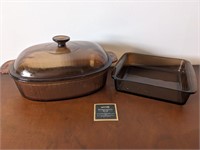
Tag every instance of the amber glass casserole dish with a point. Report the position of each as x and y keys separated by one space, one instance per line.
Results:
x=61 y=69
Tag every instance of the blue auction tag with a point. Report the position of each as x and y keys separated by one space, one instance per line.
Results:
x=105 y=112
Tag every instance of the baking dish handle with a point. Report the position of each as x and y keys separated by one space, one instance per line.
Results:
x=118 y=66
x=192 y=80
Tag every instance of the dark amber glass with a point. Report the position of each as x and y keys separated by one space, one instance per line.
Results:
x=167 y=79
x=61 y=69
x=62 y=59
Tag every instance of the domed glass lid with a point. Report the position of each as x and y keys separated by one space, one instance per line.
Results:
x=62 y=59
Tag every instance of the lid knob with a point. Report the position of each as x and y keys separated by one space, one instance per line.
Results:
x=61 y=40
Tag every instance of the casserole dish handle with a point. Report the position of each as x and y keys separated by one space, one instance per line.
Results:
x=113 y=56
x=6 y=66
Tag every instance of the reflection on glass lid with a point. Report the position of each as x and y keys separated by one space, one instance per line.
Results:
x=60 y=59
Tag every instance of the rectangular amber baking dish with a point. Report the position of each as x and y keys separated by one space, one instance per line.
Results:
x=162 y=78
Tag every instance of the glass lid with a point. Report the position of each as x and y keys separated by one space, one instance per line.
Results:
x=60 y=59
